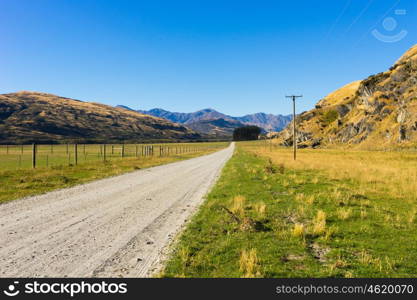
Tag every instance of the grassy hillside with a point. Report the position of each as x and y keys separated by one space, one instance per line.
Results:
x=27 y=117
x=378 y=112
x=330 y=214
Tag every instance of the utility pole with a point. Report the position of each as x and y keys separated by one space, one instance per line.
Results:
x=294 y=132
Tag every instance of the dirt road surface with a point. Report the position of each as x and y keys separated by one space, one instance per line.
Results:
x=115 y=227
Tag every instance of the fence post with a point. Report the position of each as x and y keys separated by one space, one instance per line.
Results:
x=104 y=152
x=122 y=153
x=67 y=148
x=136 y=150
x=33 y=155
x=76 y=154
x=21 y=149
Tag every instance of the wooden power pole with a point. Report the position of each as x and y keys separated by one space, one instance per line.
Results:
x=294 y=130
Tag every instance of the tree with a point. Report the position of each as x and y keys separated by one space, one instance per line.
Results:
x=247 y=133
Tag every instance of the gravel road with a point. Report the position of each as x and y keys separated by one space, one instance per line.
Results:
x=115 y=227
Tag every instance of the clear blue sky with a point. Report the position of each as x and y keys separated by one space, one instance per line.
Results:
x=238 y=57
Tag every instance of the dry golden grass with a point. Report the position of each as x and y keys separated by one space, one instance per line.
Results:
x=249 y=264
x=260 y=209
x=238 y=205
x=184 y=254
x=412 y=216
x=344 y=213
x=394 y=173
x=319 y=223
x=367 y=259
x=301 y=211
x=364 y=214
x=307 y=199
x=300 y=197
x=298 y=230
x=310 y=199
x=330 y=232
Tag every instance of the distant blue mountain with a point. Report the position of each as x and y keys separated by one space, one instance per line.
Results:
x=200 y=119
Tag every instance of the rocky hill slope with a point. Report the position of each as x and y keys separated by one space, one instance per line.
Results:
x=378 y=112
x=27 y=117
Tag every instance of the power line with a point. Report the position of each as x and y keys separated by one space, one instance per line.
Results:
x=360 y=15
x=345 y=8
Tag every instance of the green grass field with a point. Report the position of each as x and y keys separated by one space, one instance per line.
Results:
x=19 y=181
x=333 y=213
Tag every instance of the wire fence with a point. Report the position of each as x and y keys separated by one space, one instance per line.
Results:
x=14 y=157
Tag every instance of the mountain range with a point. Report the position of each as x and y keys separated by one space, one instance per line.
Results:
x=212 y=122
x=377 y=112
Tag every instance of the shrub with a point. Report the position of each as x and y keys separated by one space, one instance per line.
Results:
x=330 y=116
x=247 y=133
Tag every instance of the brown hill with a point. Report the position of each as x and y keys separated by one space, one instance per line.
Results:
x=38 y=117
x=378 y=112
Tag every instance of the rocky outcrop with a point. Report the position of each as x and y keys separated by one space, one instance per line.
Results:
x=379 y=111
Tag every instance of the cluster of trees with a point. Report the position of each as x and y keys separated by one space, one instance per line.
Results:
x=247 y=133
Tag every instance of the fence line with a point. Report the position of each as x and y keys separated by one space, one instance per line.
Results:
x=52 y=155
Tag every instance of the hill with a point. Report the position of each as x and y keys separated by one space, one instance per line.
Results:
x=27 y=117
x=378 y=112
